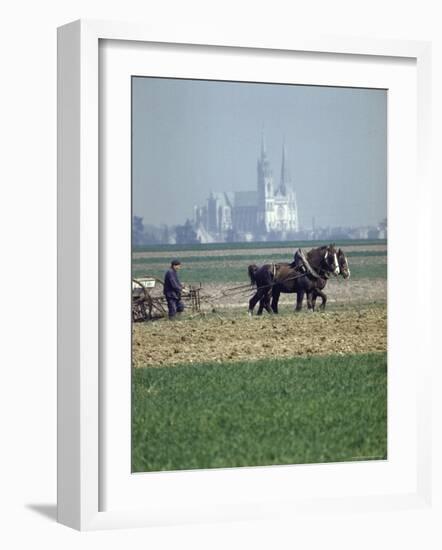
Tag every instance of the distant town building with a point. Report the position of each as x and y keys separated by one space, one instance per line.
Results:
x=269 y=212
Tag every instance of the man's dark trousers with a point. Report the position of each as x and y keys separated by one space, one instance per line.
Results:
x=175 y=305
x=172 y=292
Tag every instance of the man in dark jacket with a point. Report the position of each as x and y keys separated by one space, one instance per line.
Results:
x=173 y=288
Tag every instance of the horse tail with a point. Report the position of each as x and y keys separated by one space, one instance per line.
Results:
x=252 y=269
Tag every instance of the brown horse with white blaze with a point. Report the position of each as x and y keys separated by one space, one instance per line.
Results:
x=272 y=279
x=345 y=273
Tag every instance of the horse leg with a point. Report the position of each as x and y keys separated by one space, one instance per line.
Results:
x=310 y=301
x=299 y=299
x=266 y=303
x=260 y=297
x=323 y=298
x=263 y=301
x=253 y=301
x=314 y=296
x=275 y=299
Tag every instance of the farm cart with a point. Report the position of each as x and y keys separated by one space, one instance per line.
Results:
x=148 y=301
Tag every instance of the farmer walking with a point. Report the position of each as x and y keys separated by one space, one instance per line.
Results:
x=173 y=289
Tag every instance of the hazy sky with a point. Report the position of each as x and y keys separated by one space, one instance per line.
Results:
x=191 y=137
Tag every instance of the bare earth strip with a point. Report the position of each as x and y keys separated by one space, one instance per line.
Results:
x=236 y=296
x=339 y=292
x=161 y=343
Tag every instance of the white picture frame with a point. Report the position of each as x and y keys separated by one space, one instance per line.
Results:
x=80 y=297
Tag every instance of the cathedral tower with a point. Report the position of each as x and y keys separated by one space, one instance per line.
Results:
x=277 y=207
x=265 y=191
x=285 y=181
x=285 y=200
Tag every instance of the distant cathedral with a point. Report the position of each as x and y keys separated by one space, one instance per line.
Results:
x=270 y=212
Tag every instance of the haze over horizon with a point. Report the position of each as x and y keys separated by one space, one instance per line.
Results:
x=192 y=137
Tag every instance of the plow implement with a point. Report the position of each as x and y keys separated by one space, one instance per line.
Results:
x=149 y=303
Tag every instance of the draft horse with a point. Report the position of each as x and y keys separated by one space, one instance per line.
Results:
x=272 y=279
x=345 y=273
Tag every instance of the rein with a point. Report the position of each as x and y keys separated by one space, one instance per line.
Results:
x=322 y=273
x=297 y=276
x=242 y=288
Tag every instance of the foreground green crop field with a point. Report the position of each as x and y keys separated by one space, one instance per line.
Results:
x=273 y=411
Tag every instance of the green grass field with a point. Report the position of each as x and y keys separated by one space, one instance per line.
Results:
x=246 y=257
x=225 y=263
x=273 y=411
x=199 y=272
x=255 y=245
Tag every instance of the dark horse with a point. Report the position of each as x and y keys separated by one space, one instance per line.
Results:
x=344 y=271
x=272 y=279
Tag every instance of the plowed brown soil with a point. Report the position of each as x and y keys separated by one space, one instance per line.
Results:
x=238 y=337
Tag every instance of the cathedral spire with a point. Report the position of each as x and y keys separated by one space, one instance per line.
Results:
x=263 y=144
x=285 y=175
x=263 y=161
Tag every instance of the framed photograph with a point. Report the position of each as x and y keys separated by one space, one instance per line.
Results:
x=235 y=222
